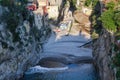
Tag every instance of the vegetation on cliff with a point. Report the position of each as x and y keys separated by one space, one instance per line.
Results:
x=117 y=18
x=90 y=3
x=107 y=17
x=111 y=21
x=14 y=16
x=72 y=4
x=108 y=21
x=110 y=17
x=20 y=38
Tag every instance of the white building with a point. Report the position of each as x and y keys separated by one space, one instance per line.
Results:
x=53 y=12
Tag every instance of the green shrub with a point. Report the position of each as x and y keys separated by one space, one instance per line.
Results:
x=108 y=21
x=94 y=2
x=110 y=5
x=88 y=2
x=117 y=18
x=73 y=3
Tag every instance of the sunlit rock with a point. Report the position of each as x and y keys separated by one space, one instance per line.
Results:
x=27 y=26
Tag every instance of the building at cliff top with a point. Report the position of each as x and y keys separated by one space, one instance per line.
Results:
x=55 y=2
x=53 y=12
x=42 y=3
x=49 y=7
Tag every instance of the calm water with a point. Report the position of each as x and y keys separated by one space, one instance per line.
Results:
x=74 y=72
x=66 y=46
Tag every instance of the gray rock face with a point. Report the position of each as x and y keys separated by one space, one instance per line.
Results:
x=103 y=54
x=16 y=57
x=0 y=10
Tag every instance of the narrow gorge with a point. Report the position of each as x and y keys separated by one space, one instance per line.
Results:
x=59 y=40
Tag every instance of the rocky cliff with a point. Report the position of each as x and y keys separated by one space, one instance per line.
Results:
x=102 y=51
x=17 y=56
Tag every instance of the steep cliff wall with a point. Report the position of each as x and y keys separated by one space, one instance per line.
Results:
x=16 y=57
x=102 y=51
x=0 y=10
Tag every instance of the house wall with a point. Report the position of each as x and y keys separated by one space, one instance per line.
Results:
x=42 y=4
x=53 y=12
x=55 y=2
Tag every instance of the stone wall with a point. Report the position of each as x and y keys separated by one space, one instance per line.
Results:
x=102 y=51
